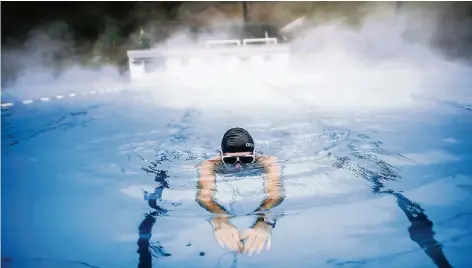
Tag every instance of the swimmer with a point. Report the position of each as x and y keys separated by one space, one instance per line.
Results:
x=238 y=151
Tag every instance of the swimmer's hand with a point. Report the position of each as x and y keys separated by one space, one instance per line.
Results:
x=256 y=237
x=226 y=234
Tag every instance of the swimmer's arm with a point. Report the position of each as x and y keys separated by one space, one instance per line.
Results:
x=274 y=189
x=206 y=187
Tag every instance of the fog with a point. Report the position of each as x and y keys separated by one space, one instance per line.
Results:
x=388 y=62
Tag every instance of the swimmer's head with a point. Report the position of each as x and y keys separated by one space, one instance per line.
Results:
x=237 y=147
x=237 y=140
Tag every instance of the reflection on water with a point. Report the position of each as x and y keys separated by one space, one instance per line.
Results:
x=324 y=164
x=421 y=228
x=373 y=170
x=146 y=249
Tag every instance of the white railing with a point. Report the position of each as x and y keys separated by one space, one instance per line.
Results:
x=223 y=42
x=266 y=39
x=232 y=52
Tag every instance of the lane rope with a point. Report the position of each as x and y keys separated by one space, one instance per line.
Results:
x=63 y=96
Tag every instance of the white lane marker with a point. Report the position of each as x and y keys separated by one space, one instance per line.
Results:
x=47 y=99
x=8 y=104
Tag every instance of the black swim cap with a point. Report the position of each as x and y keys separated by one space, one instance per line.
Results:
x=237 y=140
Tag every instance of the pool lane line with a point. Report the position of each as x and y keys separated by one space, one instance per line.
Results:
x=58 y=97
x=6 y=105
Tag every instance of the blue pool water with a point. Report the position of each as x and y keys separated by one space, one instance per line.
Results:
x=110 y=182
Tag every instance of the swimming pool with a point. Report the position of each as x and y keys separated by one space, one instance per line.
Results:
x=80 y=185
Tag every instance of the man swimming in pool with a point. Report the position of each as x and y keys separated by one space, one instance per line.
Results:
x=237 y=150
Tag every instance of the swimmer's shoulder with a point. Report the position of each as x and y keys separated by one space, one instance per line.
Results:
x=211 y=163
x=210 y=166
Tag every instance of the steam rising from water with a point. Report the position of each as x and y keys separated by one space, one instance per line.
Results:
x=368 y=68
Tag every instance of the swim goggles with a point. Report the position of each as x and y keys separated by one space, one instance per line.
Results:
x=245 y=159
